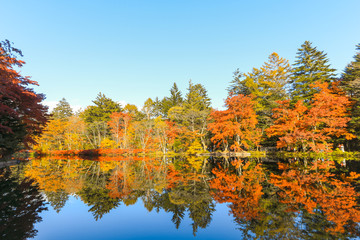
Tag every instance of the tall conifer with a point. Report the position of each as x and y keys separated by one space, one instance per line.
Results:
x=62 y=110
x=166 y=103
x=311 y=66
x=350 y=83
x=266 y=84
x=350 y=79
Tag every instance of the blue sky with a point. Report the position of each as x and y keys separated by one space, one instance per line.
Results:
x=135 y=49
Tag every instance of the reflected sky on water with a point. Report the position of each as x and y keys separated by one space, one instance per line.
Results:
x=129 y=222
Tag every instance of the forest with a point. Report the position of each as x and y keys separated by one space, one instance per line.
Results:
x=304 y=106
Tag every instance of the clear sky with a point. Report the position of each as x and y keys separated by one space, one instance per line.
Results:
x=135 y=49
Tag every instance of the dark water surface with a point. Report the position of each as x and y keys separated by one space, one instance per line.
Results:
x=168 y=198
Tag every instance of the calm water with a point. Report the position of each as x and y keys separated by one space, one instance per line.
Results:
x=193 y=198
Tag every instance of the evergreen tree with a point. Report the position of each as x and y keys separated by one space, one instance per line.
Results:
x=163 y=106
x=350 y=79
x=193 y=112
x=97 y=117
x=266 y=84
x=310 y=66
x=239 y=84
x=196 y=98
x=350 y=83
x=62 y=110
x=175 y=98
x=102 y=110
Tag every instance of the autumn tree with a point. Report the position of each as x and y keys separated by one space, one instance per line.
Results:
x=53 y=137
x=22 y=115
x=290 y=125
x=149 y=108
x=316 y=126
x=63 y=134
x=328 y=116
x=63 y=131
x=133 y=111
x=235 y=127
x=143 y=133
x=165 y=133
x=311 y=66
x=120 y=124
x=75 y=134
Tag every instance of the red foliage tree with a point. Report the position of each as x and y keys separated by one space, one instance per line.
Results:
x=21 y=111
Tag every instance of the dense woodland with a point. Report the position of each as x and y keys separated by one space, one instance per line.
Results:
x=300 y=107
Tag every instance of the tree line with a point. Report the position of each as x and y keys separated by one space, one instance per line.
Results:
x=298 y=107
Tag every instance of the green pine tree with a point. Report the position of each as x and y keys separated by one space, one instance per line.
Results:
x=196 y=98
x=102 y=110
x=311 y=65
x=62 y=110
x=175 y=96
x=267 y=84
x=350 y=83
x=175 y=99
x=194 y=111
x=350 y=79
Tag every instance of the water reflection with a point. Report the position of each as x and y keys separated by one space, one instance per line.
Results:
x=20 y=205
x=313 y=199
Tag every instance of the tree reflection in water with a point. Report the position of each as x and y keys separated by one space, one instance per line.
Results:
x=284 y=201
x=298 y=202
x=20 y=206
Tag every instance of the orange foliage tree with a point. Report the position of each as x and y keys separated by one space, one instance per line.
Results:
x=328 y=115
x=315 y=126
x=165 y=133
x=290 y=125
x=236 y=125
x=120 y=124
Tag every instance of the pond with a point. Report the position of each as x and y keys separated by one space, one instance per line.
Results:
x=180 y=198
